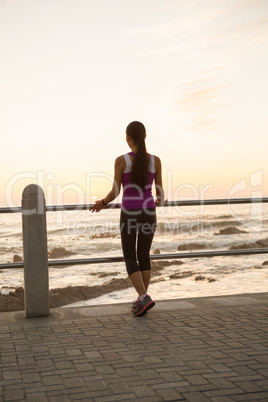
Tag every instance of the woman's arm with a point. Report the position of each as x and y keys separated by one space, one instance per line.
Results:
x=118 y=169
x=158 y=182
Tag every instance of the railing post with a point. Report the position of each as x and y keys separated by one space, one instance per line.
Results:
x=36 y=287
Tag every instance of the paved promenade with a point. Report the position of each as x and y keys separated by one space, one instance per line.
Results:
x=200 y=349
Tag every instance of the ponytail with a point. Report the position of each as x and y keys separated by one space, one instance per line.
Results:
x=139 y=175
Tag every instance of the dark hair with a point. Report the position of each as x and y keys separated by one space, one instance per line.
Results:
x=139 y=175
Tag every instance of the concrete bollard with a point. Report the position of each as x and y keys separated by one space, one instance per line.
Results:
x=36 y=285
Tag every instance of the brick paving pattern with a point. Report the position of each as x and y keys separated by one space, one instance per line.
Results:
x=210 y=349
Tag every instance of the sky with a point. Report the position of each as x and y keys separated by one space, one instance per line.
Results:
x=74 y=73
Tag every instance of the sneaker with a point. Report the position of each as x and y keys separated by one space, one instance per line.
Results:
x=134 y=306
x=143 y=306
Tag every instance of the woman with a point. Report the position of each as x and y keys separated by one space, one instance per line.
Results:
x=136 y=171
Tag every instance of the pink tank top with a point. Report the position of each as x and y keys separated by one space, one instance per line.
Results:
x=133 y=197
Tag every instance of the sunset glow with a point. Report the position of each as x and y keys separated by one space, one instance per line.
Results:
x=75 y=73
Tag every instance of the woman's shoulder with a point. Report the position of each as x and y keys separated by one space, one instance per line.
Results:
x=157 y=163
x=120 y=162
x=120 y=158
x=157 y=160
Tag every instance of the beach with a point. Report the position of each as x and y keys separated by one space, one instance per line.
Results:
x=80 y=234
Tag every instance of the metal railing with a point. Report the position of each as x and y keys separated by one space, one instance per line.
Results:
x=189 y=203
x=87 y=261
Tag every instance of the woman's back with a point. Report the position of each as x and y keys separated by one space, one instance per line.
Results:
x=135 y=197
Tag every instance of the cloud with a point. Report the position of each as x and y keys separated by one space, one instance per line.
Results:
x=201 y=102
x=253 y=32
x=204 y=24
x=57 y=4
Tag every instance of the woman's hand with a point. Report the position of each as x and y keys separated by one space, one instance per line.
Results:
x=97 y=207
x=160 y=203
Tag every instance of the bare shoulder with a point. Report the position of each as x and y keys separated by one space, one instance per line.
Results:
x=157 y=162
x=120 y=162
x=120 y=159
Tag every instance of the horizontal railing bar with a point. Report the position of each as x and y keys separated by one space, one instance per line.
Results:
x=167 y=204
x=87 y=261
x=80 y=207
x=9 y=210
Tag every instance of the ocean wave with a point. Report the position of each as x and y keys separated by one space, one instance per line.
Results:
x=10 y=234
x=10 y=250
x=228 y=222
x=181 y=228
x=57 y=231
x=193 y=227
x=104 y=274
x=221 y=244
x=219 y=217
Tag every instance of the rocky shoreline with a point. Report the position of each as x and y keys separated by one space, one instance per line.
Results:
x=59 y=297
x=14 y=301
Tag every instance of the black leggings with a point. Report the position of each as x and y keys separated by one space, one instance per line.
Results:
x=143 y=223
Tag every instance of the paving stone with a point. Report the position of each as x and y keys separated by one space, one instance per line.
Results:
x=73 y=382
x=13 y=395
x=94 y=354
x=243 y=370
x=8 y=358
x=219 y=367
x=170 y=394
x=211 y=352
x=93 y=384
x=52 y=379
x=172 y=376
x=131 y=358
x=44 y=363
x=105 y=369
x=116 y=397
x=36 y=397
x=126 y=372
x=143 y=391
x=221 y=392
x=119 y=388
x=148 y=374
x=25 y=361
x=31 y=377
x=250 y=387
x=197 y=365
x=83 y=367
x=195 y=397
x=152 y=360
x=221 y=383
x=195 y=379
x=11 y=375
x=59 y=398
x=260 y=396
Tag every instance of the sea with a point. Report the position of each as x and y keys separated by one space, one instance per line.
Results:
x=83 y=234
